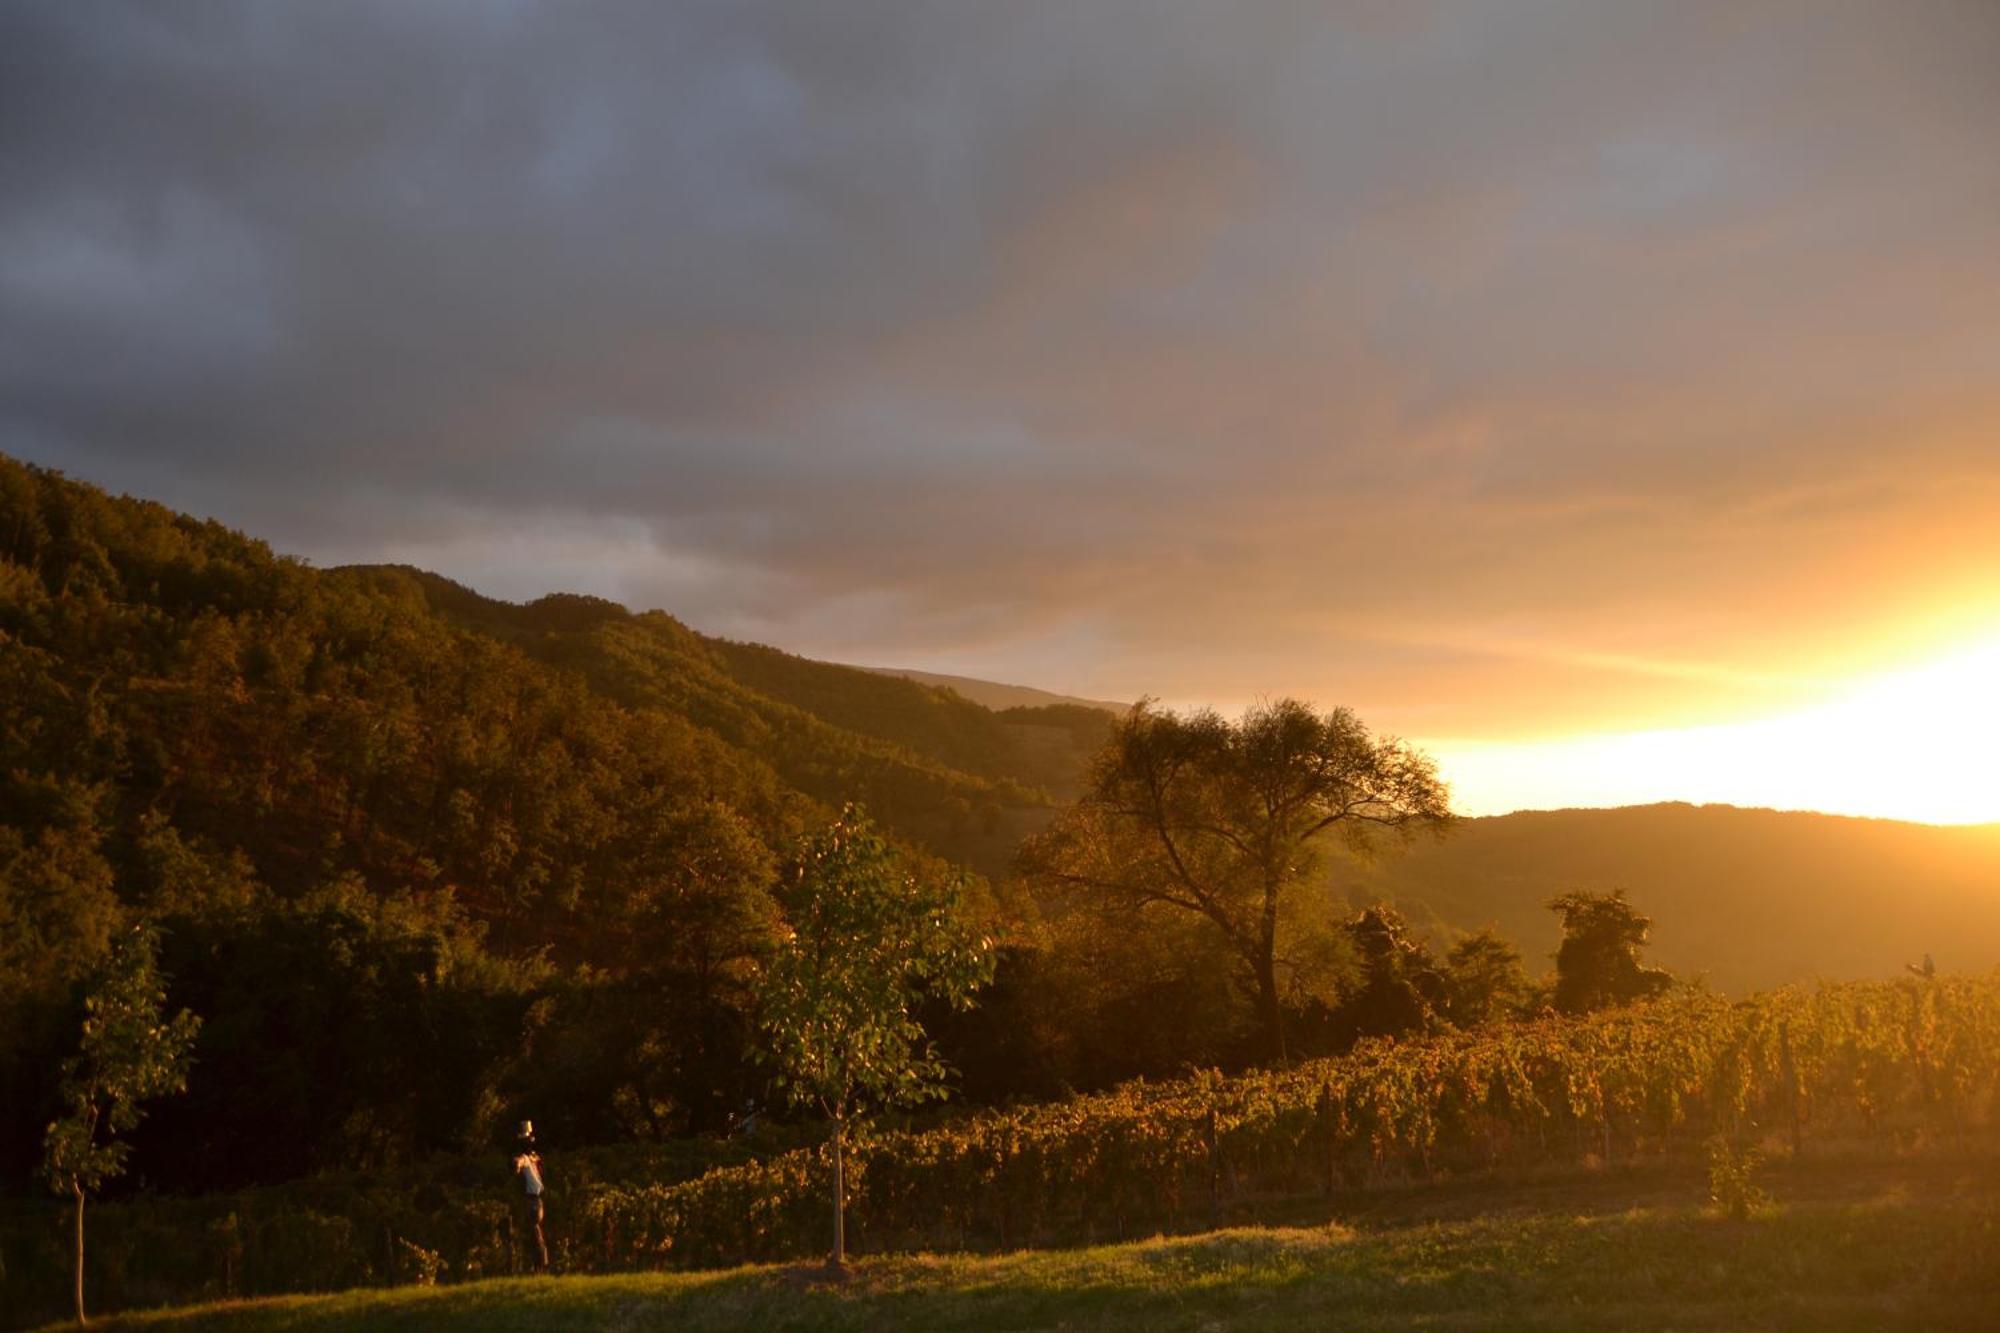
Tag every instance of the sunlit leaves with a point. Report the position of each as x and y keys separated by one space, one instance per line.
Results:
x=1224 y=821
x=864 y=941
x=130 y=1052
x=1868 y=1057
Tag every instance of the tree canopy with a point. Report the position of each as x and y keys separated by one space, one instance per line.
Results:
x=1598 y=964
x=1225 y=821
x=130 y=1052
x=864 y=942
x=553 y=829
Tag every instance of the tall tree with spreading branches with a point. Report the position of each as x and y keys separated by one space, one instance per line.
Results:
x=864 y=942
x=1227 y=821
x=130 y=1052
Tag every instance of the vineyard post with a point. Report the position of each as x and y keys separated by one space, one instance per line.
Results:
x=1788 y=1069
x=839 y=1196
x=1214 y=1168
x=79 y=1192
x=1003 y=1181
x=1603 y=1115
x=1922 y=1014
x=1328 y=1123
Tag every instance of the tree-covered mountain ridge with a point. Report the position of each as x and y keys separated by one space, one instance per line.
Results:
x=952 y=775
x=945 y=772
x=534 y=843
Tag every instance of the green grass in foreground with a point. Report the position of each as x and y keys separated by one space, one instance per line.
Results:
x=1892 y=1261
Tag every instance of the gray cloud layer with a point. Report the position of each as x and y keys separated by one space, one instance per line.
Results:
x=1456 y=360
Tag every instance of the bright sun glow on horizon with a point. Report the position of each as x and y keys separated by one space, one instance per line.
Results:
x=1921 y=744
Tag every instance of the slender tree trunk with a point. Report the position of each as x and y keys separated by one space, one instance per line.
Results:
x=839 y=1195
x=1270 y=1013
x=77 y=1187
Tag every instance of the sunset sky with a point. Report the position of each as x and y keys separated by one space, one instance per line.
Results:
x=1605 y=396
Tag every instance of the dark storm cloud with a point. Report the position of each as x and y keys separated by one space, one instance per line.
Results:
x=1399 y=340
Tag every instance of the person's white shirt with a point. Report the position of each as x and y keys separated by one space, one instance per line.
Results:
x=529 y=1167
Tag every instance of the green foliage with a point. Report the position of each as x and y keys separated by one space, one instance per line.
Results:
x=1225 y=821
x=1484 y=980
x=1400 y=989
x=939 y=771
x=1732 y=1179
x=864 y=941
x=130 y=1052
x=343 y=1027
x=1108 y=996
x=1873 y=1059
x=407 y=839
x=58 y=914
x=1598 y=963
x=417 y=1265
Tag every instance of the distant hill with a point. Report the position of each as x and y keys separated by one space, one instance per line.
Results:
x=1748 y=898
x=994 y=695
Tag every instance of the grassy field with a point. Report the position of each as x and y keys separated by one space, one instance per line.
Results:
x=1856 y=1245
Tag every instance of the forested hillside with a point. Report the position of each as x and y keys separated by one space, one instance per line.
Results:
x=1746 y=898
x=419 y=856
x=952 y=776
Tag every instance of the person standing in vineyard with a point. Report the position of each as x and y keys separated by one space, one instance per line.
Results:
x=528 y=1168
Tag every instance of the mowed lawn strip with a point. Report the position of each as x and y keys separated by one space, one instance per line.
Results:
x=1892 y=1262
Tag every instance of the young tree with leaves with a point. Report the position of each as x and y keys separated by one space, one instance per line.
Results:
x=864 y=941
x=130 y=1053
x=1225 y=821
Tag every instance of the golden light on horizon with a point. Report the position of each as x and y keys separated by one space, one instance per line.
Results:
x=1914 y=744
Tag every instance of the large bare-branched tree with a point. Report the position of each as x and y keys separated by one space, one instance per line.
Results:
x=1227 y=820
